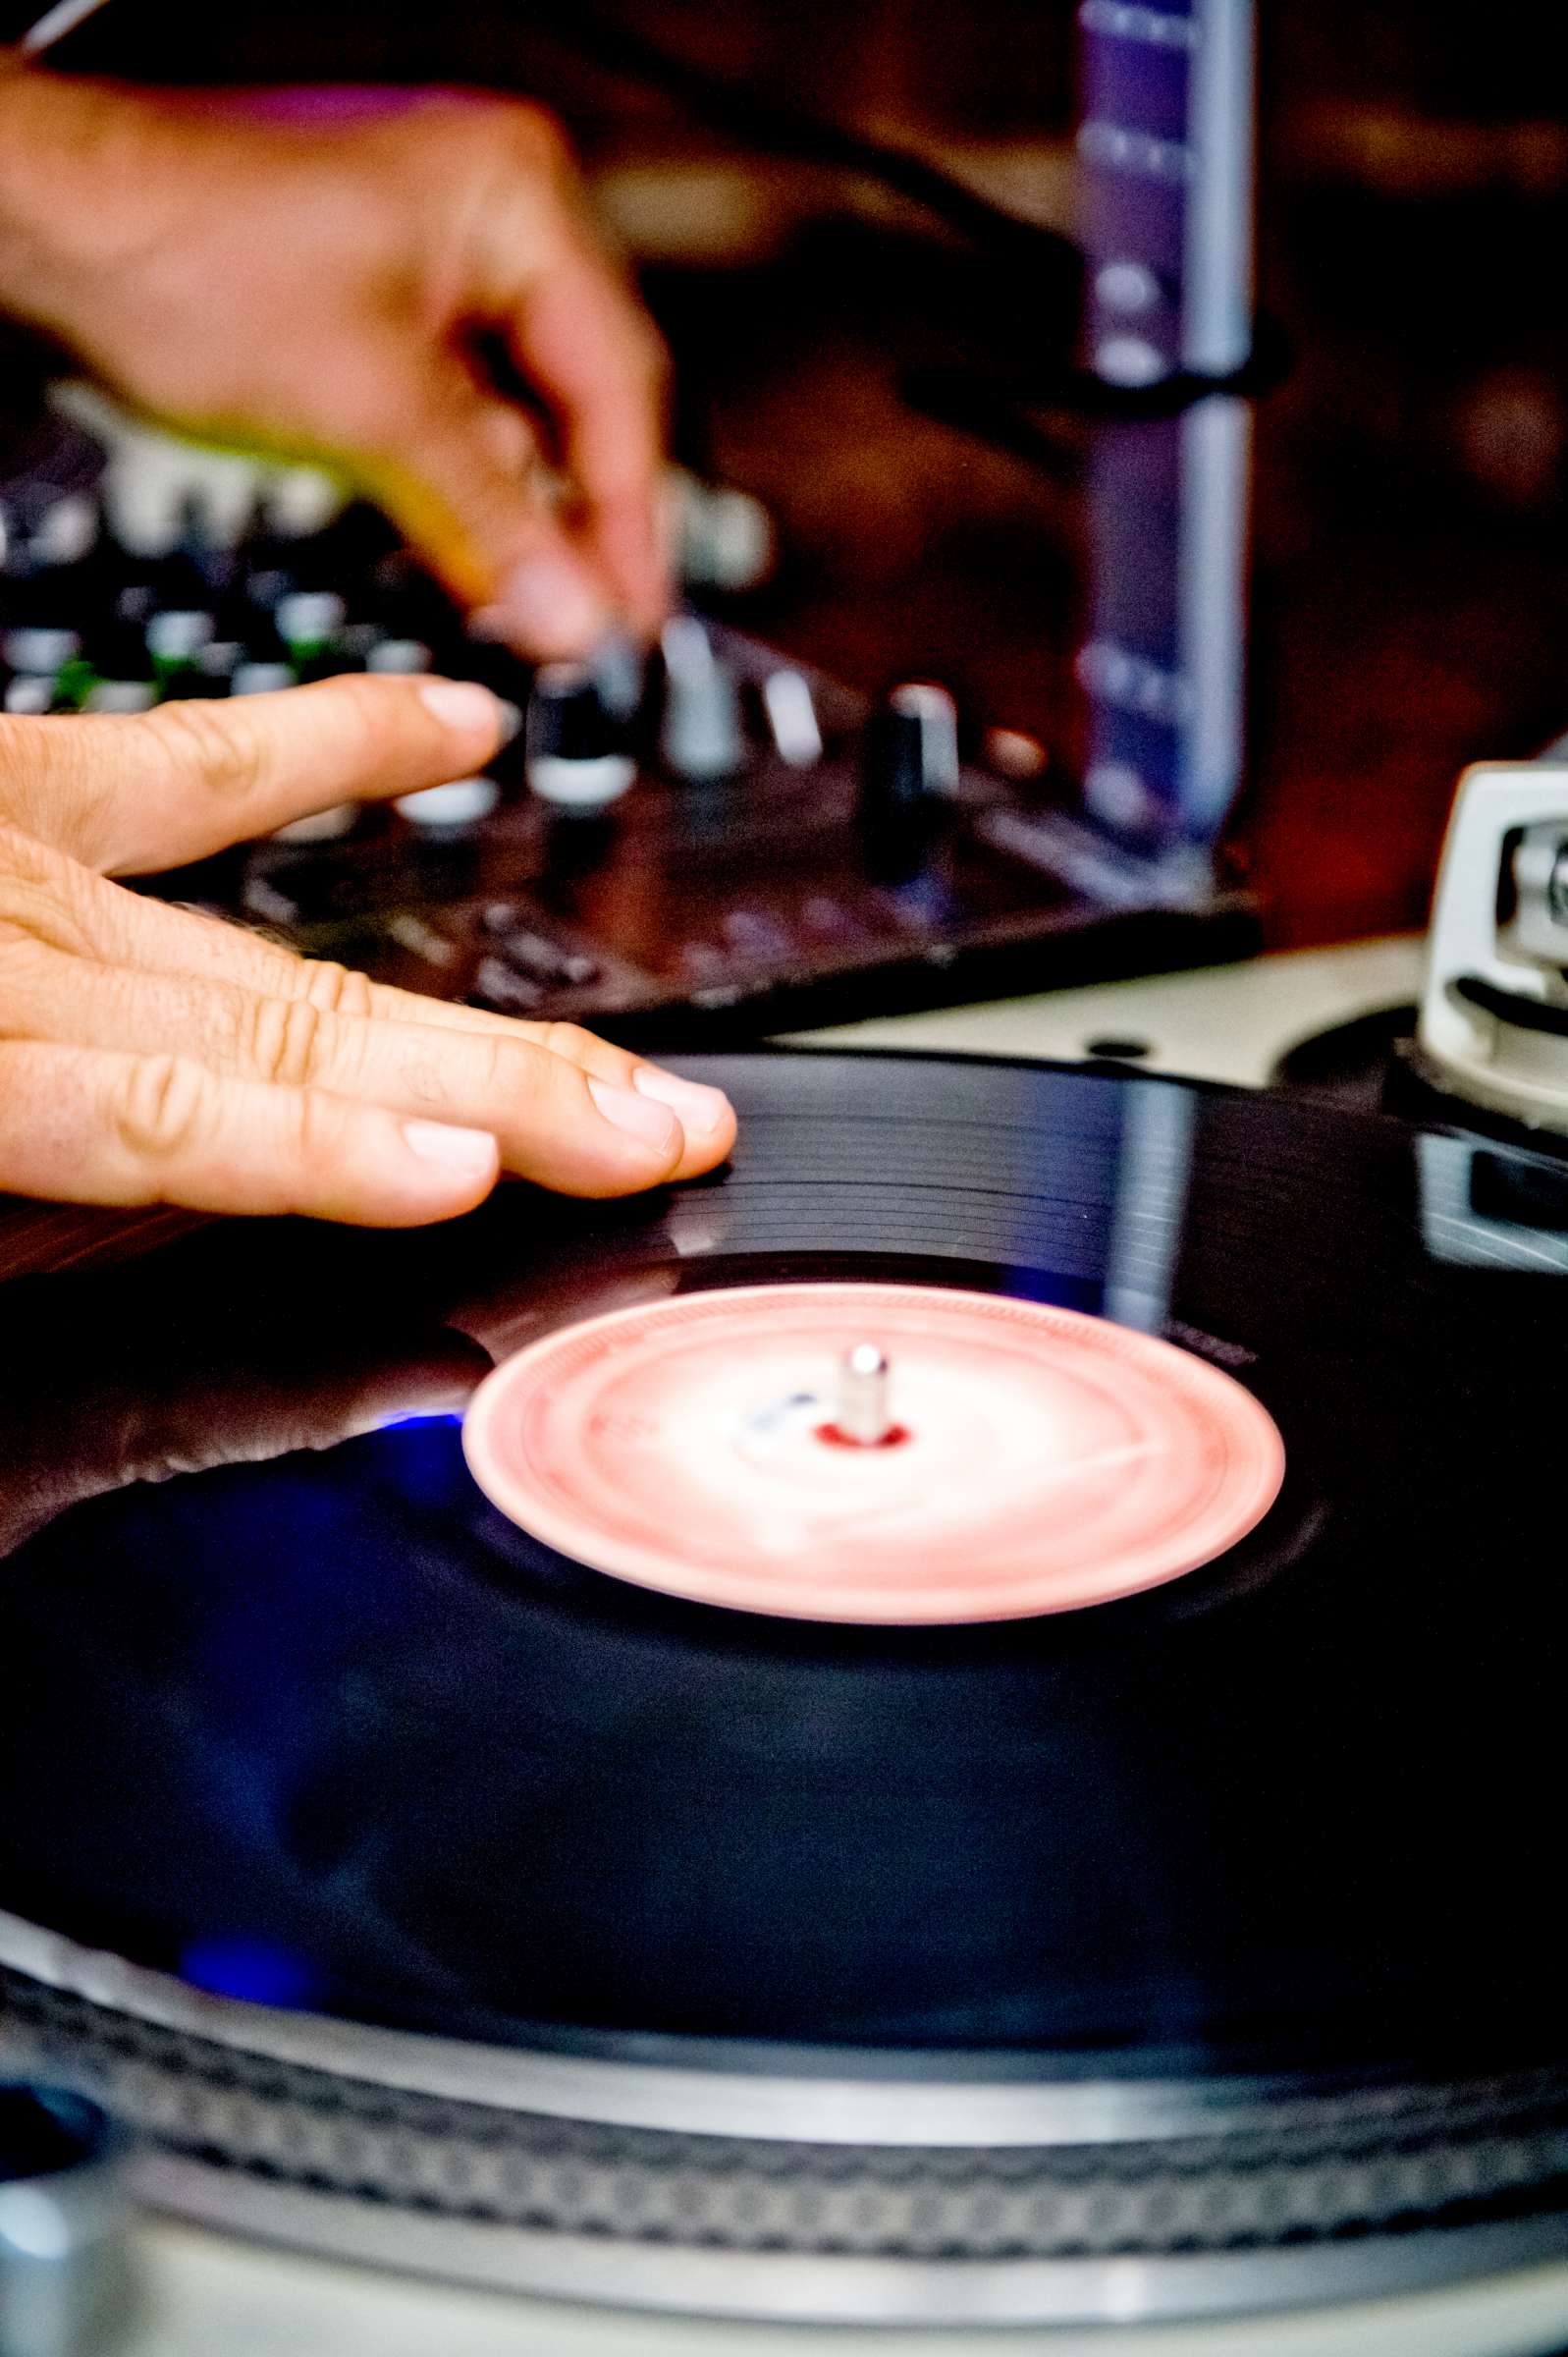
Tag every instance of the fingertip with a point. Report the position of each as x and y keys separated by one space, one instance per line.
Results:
x=446 y=1169
x=470 y=711
x=548 y=605
x=635 y=552
x=706 y=1116
x=654 y=1127
x=649 y=608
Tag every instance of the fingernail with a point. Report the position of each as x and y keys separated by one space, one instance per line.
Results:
x=695 y=1106
x=549 y=602
x=510 y=719
x=464 y=705
x=465 y=1153
x=650 y=1124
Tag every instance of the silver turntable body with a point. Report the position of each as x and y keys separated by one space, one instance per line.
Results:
x=394 y=2155
x=205 y=2292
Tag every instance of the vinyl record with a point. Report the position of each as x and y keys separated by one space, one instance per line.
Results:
x=315 y=1762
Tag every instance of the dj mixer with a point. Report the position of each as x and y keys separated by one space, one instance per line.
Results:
x=714 y=840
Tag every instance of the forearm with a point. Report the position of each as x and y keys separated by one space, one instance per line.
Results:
x=69 y=207
x=29 y=125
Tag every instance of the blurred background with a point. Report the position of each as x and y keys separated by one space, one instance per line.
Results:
x=1410 y=567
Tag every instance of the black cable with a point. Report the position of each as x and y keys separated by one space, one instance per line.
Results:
x=767 y=123
x=775 y=124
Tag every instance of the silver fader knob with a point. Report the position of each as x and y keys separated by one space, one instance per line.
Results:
x=121 y=696
x=65 y=533
x=395 y=658
x=309 y=620
x=262 y=678
x=38 y=651
x=218 y=665
x=443 y=809
x=618 y=671
x=576 y=756
x=792 y=719
x=177 y=636
x=320 y=826
x=700 y=734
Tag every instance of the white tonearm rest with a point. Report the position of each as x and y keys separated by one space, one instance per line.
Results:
x=1493 y=1023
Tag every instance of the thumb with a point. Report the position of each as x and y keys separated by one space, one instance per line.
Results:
x=130 y=795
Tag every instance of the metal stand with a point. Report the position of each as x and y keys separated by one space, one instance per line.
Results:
x=1166 y=155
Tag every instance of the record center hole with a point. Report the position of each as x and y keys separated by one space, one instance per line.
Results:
x=836 y=1437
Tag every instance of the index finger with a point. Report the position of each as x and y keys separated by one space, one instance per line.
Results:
x=130 y=795
x=577 y=335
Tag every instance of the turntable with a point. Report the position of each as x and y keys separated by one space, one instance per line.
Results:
x=635 y=1891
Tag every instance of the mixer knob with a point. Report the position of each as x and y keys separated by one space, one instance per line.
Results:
x=700 y=734
x=40 y=652
x=65 y=534
x=121 y=696
x=261 y=678
x=792 y=721
x=212 y=671
x=308 y=622
x=576 y=756
x=395 y=657
x=912 y=751
x=176 y=637
x=619 y=669
x=446 y=809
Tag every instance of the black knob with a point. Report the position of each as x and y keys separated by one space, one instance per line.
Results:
x=577 y=757
x=911 y=752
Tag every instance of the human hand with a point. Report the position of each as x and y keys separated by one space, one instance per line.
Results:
x=320 y=272
x=96 y=1413
x=151 y=1055
x=147 y=1372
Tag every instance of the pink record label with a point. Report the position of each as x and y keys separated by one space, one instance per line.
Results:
x=874 y=1452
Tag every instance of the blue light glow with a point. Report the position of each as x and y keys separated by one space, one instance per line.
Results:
x=254 y=1970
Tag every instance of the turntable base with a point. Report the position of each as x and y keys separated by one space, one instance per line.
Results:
x=1225 y=1022
x=206 y=2292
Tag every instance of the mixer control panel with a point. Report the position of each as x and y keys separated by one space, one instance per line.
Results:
x=706 y=840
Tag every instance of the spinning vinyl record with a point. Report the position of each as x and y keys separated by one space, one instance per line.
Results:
x=969 y=1706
